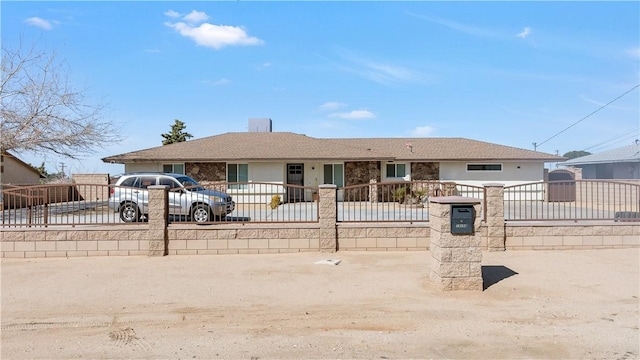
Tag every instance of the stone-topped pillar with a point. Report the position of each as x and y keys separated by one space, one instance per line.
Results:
x=495 y=217
x=328 y=215
x=456 y=258
x=158 y=220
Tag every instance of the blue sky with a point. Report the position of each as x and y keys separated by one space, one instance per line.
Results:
x=512 y=73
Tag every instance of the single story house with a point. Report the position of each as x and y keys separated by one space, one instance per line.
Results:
x=16 y=172
x=620 y=163
x=290 y=158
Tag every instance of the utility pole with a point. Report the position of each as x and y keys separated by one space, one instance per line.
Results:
x=62 y=167
x=535 y=146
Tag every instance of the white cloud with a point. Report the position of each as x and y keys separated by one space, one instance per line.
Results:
x=422 y=131
x=219 y=82
x=525 y=32
x=354 y=115
x=460 y=27
x=634 y=52
x=39 y=22
x=196 y=17
x=383 y=73
x=222 y=82
x=331 y=106
x=210 y=35
x=172 y=14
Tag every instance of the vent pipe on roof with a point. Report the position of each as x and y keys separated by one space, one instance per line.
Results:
x=260 y=125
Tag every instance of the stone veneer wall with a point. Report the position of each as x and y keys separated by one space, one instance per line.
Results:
x=207 y=172
x=425 y=171
x=360 y=172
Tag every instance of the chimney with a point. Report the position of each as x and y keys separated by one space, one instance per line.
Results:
x=260 y=125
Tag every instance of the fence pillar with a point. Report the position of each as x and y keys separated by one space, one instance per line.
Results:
x=495 y=216
x=328 y=216
x=158 y=220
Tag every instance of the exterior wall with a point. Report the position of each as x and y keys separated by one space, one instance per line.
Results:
x=141 y=167
x=91 y=193
x=383 y=237
x=268 y=172
x=554 y=236
x=132 y=240
x=28 y=243
x=206 y=172
x=515 y=172
x=17 y=173
x=627 y=170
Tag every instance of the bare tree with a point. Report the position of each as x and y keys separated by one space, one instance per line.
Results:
x=42 y=112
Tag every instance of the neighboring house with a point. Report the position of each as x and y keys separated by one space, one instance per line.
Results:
x=621 y=163
x=289 y=158
x=16 y=172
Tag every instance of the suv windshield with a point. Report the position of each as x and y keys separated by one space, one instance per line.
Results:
x=189 y=183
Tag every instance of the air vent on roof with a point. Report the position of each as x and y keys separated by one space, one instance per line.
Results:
x=260 y=125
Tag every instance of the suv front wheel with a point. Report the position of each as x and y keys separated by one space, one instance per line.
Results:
x=200 y=213
x=129 y=212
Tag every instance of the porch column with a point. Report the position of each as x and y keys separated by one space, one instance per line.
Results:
x=495 y=217
x=327 y=216
x=158 y=220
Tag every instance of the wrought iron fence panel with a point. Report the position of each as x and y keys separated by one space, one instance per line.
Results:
x=573 y=200
x=401 y=201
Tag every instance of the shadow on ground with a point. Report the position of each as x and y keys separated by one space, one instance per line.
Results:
x=493 y=274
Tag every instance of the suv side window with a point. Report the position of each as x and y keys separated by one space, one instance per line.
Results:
x=129 y=181
x=146 y=181
x=169 y=182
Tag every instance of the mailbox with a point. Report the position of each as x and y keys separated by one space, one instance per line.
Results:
x=462 y=218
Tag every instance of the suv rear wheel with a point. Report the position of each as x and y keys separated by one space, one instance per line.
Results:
x=129 y=212
x=200 y=213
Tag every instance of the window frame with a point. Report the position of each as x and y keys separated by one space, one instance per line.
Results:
x=333 y=174
x=173 y=168
x=485 y=167
x=395 y=170
x=238 y=175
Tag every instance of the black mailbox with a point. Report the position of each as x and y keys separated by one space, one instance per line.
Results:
x=462 y=218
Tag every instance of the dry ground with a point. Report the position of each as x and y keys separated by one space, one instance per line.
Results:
x=373 y=305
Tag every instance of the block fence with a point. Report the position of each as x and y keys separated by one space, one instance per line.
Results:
x=157 y=237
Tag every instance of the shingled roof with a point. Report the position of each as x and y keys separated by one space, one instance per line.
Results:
x=629 y=153
x=287 y=146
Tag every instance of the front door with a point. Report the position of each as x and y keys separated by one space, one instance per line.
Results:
x=295 y=176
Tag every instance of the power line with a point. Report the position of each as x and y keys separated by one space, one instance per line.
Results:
x=584 y=118
x=625 y=136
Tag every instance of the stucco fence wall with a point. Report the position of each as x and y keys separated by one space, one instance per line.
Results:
x=159 y=238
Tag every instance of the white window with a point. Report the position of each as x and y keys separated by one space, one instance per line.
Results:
x=484 y=167
x=173 y=168
x=238 y=173
x=334 y=174
x=396 y=170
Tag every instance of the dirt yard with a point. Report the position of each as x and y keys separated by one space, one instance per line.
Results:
x=373 y=305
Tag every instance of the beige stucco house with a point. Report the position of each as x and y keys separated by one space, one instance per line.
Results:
x=290 y=158
x=16 y=172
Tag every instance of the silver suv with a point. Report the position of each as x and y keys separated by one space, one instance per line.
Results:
x=130 y=198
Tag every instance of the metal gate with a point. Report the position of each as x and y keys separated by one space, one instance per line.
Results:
x=562 y=186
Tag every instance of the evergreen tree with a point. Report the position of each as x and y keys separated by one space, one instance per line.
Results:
x=177 y=134
x=576 y=154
